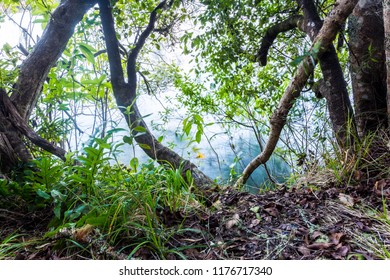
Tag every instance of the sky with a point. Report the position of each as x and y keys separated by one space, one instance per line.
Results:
x=11 y=33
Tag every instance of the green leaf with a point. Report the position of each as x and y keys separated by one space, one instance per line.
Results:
x=63 y=107
x=73 y=214
x=198 y=118
x=187 y=125
x=103 y=144
x=140 y=129
x=298 y=60
x=43 y=194
x=114 y=130
x=57 y=195
x=144 y=146
x=87 y=52
x=91 y=82
x=316 y=49
x=41 y=20
x=57 y=211
x=198 y=136
x=97 y=221
x=128 y=140
x=147 y=115
x=134 y=163
x=88 y=47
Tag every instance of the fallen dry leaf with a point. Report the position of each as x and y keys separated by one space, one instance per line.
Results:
x=346 y=200
x=316 y=234
x=272 y=211
x=83 y=233
x=217 y=205
x=379 y=185
x=254 y=223
x=340 y=253
x=382 y=188
x=336 y=237
x=343 y=251
x=232 y=222
x=319 y=237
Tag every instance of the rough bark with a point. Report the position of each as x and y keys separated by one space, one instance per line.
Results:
x=8 y=156
x=324 y=39
x=12 y=146
x=125 y=94
x=34 y=70
x=33 y=73
x=9 y=112
x=367 y=65
x=334 y=87
x=386 y=20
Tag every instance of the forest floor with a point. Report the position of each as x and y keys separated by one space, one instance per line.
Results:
x=347 y=222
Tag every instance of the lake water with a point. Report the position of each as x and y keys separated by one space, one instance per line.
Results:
x=216 y=157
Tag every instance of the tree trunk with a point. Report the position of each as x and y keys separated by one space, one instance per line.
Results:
x=33 y=73
x=334 y=87
x=34 y=70
x=367 y=65
x=386 y=20
x=126 y=94
x=324 y=40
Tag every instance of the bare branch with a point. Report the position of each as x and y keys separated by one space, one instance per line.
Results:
x=23 y=50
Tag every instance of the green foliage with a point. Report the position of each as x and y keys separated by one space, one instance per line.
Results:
x=18 y=195
x=91 y=187
x=124 y=202
x=8 y=66
x=197 y=120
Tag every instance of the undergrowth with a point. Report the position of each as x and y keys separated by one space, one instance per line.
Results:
x=101 y=209
x=122 y=205
x=368 y=159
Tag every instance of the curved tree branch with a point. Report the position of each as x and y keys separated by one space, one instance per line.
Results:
x=10 y=112
x=272 y=33
x=125 y=94
x=131 y=62
x=325 y=37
